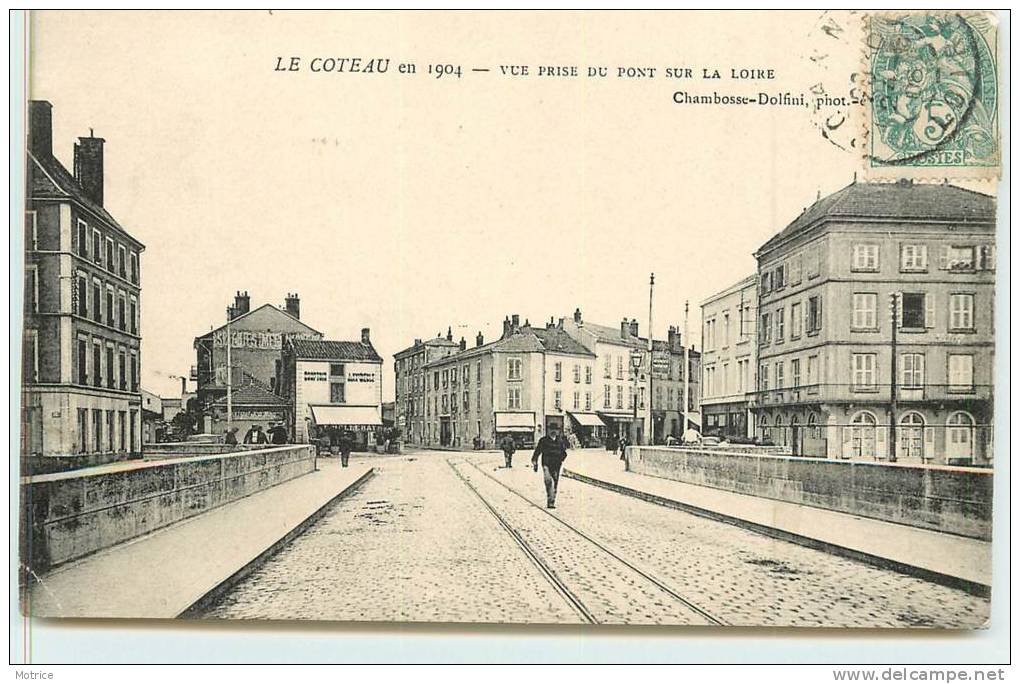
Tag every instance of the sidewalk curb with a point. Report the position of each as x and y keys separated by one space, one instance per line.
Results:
x=969 y=586
x=217 y=592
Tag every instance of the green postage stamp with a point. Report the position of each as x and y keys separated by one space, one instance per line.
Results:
x=933 y=109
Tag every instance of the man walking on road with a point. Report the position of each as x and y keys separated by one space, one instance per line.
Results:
x=553 y=449
x=508 y=447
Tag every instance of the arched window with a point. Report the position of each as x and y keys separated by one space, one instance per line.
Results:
x=911 y=437
x=812 y=426
x=778 y=433
x=763 y=426
x=960 y=436
x=859 y=436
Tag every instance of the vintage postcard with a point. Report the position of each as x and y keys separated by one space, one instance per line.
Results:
x=535 y=318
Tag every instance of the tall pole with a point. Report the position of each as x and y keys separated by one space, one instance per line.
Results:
x=230 y=382
x=650 y=432
x=894 y=317
x=686 y=369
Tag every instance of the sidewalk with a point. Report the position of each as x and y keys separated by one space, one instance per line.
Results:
x=948 y=557
x=161 y=575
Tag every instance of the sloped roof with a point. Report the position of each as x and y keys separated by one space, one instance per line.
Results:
x=277 y=309
x=252 y=394
x=604 y=333
x=48 y=179
x=333 y=350
x=902 y=200
x=557 y=340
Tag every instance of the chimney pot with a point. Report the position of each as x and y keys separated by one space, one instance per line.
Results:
x=449 y=334
x=624 y=328
x=463 y=344
x=634 y=327
x=242 y=303
x=577 y=315
x=40 y=128
x=292 y=305
x=365 y=338
x=479 y=340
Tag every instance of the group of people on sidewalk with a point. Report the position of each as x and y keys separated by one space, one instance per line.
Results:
x=276 y=434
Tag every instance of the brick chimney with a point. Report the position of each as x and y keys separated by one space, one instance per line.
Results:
x=231 y=315
x=365 y=337
x=88 y=167
x=674 y=339
x=292 y=305
x=515 y=323
x=463 y=344
x=624 y=328
x=577 y=315
x=40 y=128
x=449 y=334
x=633 y=327
x=479 y=340
x=506 y=327
x=242 y=303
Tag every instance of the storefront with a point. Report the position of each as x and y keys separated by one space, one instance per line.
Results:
x=358 y=423
x=520 y=425
x=589 y=429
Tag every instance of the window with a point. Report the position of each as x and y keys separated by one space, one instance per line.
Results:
x=110 y=255
x=97 y=247
x=134 y=268
x=607 y=371
x=110 y=380
x=961 y=312
x=83 y=432
x=859 y=440
x=619 y=396
x=97 y=365
x=779 y=277
x=121 y=313
x=913 y=258
x=865 y=311
x=865 y=258
x=478 y=371
x=796 y=269
x=513 y=399
x=957 y=258
x=557 y=371
x=577 y=373
x=912 y=370
x=812 y=259
x=97 y=301
x=986 y=256
x=961 y=372
x=97 y=428
x=109 y=308
x=122 y=432
x=81 y=293
x=83 y=238
x=795 y=373
x=913 y=311
x=814 y=314
x=577 y=400
x=31 y=289
x=134 y=430
x=134 y=316
x=763 y=377
x=780 y=376
x=766 y=327
x=109 y=432
x=445 y=404
x=780 y=325
x=122 y=261
x=122 y=366
x=513 y=369
x=766 y=282
x=30 y=356
x=863 y=370
x=134 y=372
x=83 y=355
x=960 y=437
x=336 y=369
x=446 y=378
x=911 y=437
x=467 y=400
x=641 y=397
x=796 y=320
x=607 y=398
x=336 y=393
x=619 y=367
x=587 y=375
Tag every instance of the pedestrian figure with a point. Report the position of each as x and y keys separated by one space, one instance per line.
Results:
x=508 y=447
x=345 y=449
x=230 y=438
x=623 y=447
x=553 y=450
x=255 y=435
x=278 y=434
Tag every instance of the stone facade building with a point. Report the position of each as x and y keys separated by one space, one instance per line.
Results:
x=81 y=400
x=409 y=371
x=729 y=358
x=830 y=286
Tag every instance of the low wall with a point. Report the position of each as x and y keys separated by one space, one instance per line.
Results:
x=184 y=449
x=68 y=515
x=957 y=500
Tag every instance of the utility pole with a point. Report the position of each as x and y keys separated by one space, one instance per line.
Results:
x=894 y=317
x=650 y=432
x=686 y=370
x=230 y=382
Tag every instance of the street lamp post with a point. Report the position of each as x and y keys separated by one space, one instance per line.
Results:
x=650 y=429
x=636 y=359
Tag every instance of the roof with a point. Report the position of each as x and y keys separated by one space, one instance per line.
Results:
x=743 y=284
x=605 y=333
x=334 y=350
x=557 y=340
x=252 y=394
x=280 y=311
x=903 y=200
x=438 y=341
x=55 y=182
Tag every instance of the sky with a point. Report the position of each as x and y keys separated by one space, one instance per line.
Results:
x=408 y=204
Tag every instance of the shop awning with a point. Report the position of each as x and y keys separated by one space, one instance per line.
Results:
x=616 y=415
x=695 y=419
x=587 y=419
x=347 y=416
x=515 y=422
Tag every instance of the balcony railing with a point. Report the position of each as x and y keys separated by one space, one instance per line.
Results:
x=808 y=394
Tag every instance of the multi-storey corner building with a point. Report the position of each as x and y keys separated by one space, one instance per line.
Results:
x=834 y=378
x=729 y=358
x=81 y=399
x=409 y=370
x=617 y=389
x=333 y=387
x=522 y=384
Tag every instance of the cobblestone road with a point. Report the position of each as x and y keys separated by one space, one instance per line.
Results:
x=417 y=544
